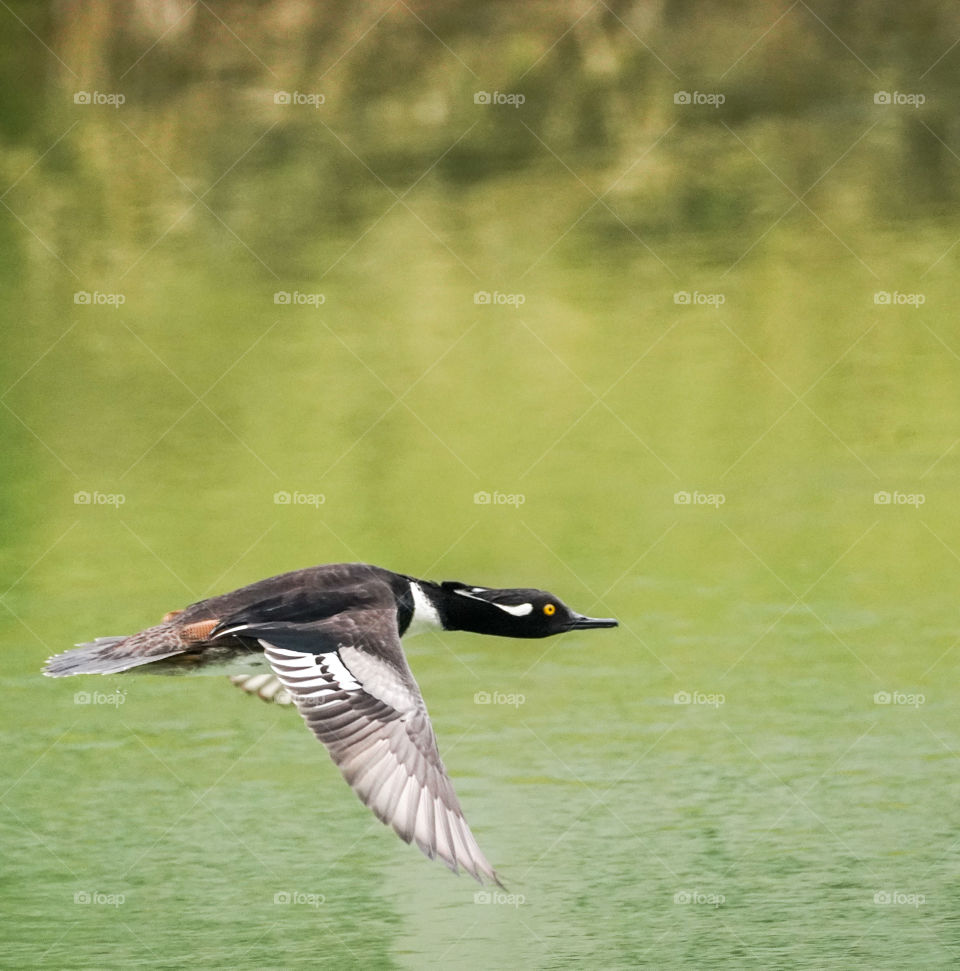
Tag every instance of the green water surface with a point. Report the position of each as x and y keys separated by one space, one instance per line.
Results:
x=685 y=401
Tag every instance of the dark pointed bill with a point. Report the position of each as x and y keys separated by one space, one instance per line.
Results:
x=582 y=623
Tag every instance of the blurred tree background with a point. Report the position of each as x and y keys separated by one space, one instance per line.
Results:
x=398 y=80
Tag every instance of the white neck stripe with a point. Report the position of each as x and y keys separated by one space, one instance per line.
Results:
x=425 y=616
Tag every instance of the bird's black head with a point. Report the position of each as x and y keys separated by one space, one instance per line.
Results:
x=510 y=613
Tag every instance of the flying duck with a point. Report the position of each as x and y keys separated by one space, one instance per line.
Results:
x=327 y=639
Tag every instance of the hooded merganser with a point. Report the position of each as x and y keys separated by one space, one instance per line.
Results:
x=329 y=639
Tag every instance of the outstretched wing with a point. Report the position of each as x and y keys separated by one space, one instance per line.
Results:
x=351 y=682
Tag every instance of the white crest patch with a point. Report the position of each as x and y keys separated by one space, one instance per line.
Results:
x=518 y=610
x=425 y=616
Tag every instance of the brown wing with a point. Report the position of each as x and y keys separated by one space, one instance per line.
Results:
x=366 y=708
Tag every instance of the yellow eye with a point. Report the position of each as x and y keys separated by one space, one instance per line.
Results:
x=550 y=609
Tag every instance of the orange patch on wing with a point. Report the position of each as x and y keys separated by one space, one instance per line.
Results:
x=198 y=631
x=167 y=617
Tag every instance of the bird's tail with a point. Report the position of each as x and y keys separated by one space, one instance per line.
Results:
x=111 y=655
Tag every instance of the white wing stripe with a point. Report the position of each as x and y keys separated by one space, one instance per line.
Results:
x=299 y=670
x=339 y=670
x=283 y=652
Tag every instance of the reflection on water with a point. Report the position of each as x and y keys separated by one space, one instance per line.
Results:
x=698 y=346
